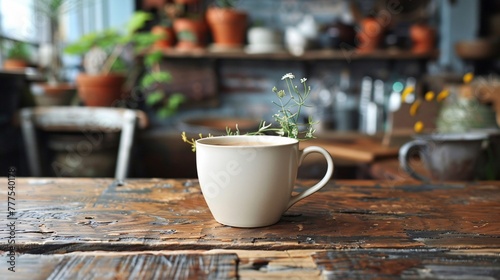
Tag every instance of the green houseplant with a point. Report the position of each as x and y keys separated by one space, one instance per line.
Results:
x=55 y=90
x=188 y=23
x=114 y=62
x=17 y=55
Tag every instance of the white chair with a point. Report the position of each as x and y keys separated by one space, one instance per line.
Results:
x=81 y=119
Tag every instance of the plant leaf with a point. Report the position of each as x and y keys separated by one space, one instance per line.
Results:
x=138 y=21
x=152 y=58
x=152 y=78
x=154 y=98
x=175 y=100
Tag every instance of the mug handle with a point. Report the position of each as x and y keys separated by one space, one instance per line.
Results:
x=404 y=157
x=329 y=172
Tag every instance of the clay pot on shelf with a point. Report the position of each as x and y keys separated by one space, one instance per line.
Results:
x=15 y=64
x=370 y=36
x=228 y=26
x=100 y=90
x=167 y=34
x=480 y=48
x=60 y=94
x=190 y=33
x=423 y=38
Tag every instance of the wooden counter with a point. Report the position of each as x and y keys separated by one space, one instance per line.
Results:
x=354 y=147
x=162 y=229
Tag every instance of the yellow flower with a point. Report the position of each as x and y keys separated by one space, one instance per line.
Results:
x=418 y=127
x=406 y=92
x=429 y=96
x=414 y=107
x=468 y=77
x=442 y=95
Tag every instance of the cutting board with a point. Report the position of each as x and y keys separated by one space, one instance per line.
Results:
x=360 y=149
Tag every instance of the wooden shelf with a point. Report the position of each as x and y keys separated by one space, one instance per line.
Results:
x=307 y=56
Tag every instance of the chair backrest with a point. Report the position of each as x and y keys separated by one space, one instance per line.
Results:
x=82 y=119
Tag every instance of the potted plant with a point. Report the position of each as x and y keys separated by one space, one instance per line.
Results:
x=55 y=90
x=17 y=56
x=109 y=55
x=227 y=24
x=164 y=30
x=189 y=25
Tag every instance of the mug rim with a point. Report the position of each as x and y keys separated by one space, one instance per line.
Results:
x=453 y=136
x=271 y=141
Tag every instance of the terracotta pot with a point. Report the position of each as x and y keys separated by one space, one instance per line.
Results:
x=100 y=90
x=423 y=38
x=190 y=33
x=228 y=26
x=480 y=48
x=370 y=35
x=168 y=36
x=14 y=64
x=53 y=95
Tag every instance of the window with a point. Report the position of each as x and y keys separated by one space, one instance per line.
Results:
x=17 y=20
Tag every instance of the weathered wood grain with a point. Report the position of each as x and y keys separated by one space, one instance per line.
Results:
x=124 y=266
x=162 y=229
x=256 y=264
x=66 y=215
x=407 y=264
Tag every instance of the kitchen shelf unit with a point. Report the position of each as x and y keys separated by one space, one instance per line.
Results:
x=311 y=55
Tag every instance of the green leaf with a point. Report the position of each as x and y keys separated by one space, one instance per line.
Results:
x=19 y=50
x=175 y=100
x=119 y=66
x=144 y=39
x=162 y=77
x=83 y=45
x=155 y=77
x=138 y=21
x=152 y=58
x=172 y=105
x=147 y=80
x=154 y=98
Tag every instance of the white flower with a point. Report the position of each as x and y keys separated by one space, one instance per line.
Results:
x=288 y=76
x=303 y=80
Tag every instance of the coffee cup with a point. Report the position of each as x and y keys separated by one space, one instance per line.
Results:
x=446 y=156
x=248 y=180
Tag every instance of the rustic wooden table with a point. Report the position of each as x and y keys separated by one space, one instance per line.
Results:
x=152 y=228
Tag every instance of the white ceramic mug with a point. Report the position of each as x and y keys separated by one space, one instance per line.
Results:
x=247 y=181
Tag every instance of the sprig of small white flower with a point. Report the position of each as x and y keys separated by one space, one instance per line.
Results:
x=288 y=116
x=288 y=120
